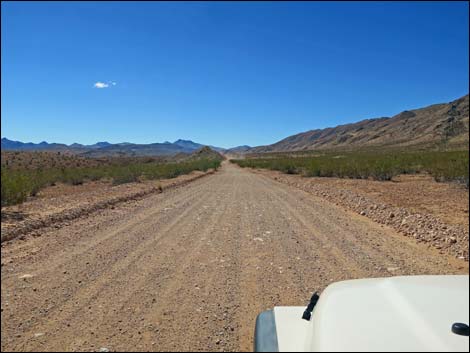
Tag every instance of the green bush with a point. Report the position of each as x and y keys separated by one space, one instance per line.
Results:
x=17 y=185
x=443 y=166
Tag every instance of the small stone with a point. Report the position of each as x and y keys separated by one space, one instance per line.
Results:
x=363 y=213
x=25 y=276
x=39 y=334
x=104 y=349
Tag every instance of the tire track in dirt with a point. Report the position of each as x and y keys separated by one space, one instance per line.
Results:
x=113 y=258
x=360 y=235
x=66 y=215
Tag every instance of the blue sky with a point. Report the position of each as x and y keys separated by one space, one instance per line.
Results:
x=222 y=73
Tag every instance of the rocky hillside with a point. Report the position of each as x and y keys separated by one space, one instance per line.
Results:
x=238 y=149
x=445 y=125
x=206 y=153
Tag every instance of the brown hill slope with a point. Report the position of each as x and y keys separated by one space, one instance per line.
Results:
x=207 y=153
x=439 y=124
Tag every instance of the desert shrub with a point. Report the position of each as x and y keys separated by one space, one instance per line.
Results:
x=443 y=166
x=18 y=184
x=16 y=187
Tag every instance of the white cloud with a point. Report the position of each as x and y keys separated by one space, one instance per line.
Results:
x=107 y=84
x=101 y=85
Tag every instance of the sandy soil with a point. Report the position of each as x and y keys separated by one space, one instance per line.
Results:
x=190 y=268
x=419 y=193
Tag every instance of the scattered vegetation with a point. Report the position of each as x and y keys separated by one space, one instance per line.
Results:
x=58 y=159
x=19 y=183
x=443 y=166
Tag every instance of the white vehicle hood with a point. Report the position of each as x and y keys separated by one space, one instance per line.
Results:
x=413 y=313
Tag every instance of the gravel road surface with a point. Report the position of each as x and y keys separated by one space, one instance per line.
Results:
x=190 y=268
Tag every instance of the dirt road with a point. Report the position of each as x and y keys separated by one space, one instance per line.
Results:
x=189 y=269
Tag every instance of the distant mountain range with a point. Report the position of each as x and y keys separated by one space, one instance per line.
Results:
x=44 y=146
x=106 y=149
x=439 y=124
x=445 y=124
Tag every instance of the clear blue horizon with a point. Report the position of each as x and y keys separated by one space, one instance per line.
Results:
x=222 y=73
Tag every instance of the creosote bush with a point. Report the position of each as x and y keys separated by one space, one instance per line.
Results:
x=443 y=166
x=18 y=184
